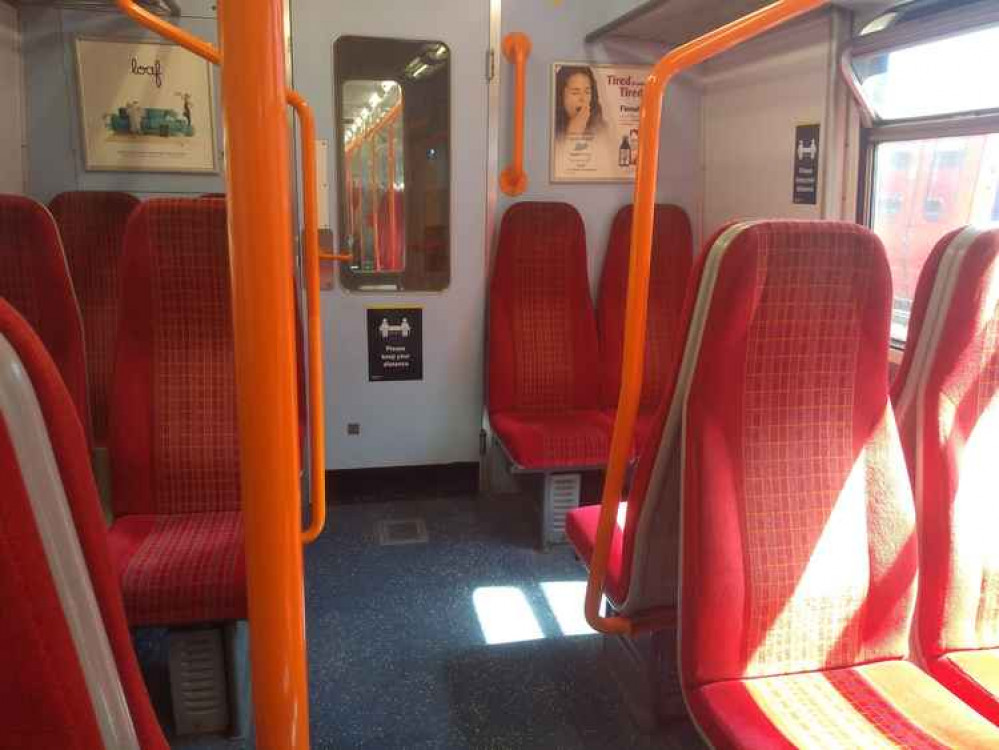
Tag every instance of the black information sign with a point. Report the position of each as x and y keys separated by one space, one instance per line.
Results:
x=806 y=165
x=395 y=343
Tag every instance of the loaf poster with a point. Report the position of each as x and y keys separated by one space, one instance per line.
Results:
x=144 y=107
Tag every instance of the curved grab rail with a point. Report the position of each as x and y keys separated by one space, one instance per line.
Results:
x=516 y=49
x=636 y=306
x=310 y=210
x=167 y=30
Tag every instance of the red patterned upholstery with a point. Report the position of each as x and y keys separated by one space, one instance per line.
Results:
x=543 y=366
x=181 y=568
x=946 y=397
x=799 y=553
x=35 y=280
x=92 y=226
x=672 y=254
x=173 y=436
x=44 y=700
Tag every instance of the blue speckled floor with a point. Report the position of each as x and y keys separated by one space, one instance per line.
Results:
x=398 y=659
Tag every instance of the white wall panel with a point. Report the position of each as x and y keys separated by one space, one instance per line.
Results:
x=754 y=97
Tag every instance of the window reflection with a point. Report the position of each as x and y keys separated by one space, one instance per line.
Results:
x=922 y=190
x=393 y=110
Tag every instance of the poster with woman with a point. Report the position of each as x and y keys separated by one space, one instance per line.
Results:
x=594 y=128
x=145 y=106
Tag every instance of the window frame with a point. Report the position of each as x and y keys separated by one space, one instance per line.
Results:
x=875 y=131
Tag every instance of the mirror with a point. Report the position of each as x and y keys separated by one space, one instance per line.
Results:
x=393 y=115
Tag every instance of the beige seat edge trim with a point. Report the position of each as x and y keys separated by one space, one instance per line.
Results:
x=671 y=431
x=22 y=415
x=914 y=388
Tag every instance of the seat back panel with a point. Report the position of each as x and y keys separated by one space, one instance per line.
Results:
x=946 y=401
x=54 y=465
x=35 y=279
x=542 y=327
x=791 y=461
x=174 y=433
x=672 y=255
x=92 y=227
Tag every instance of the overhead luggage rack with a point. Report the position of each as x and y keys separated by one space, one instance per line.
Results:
x=673 y=22
x=159 y=7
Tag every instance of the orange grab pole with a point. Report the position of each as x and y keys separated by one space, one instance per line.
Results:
x=636 y=306
x=253 y=85
x=310 y=210
x=516 y=49
x=312 y=255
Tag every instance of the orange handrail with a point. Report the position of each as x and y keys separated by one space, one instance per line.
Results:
x=636 y=306
x=317 y=432
x=516 y=49
x=310 y=211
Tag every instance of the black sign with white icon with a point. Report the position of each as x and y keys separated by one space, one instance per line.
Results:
x=395 y=343
x=806 y=165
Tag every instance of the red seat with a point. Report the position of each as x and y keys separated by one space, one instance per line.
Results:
x=54 y=668
x=178 y=537
x=544 y=399
x=35 y=280
x=92 y=225
x=672 y=254
x=798 y=551
x=945 y=397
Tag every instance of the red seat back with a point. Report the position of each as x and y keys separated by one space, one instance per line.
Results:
x=542 y=329
x=35 y=280
x=672 y=255
x=946 y=400
x=797 y=524
x=173 y=436
x=92 y=226
x=52 y=665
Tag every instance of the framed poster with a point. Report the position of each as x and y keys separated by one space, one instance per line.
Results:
x=145 y=106
x=594 y=121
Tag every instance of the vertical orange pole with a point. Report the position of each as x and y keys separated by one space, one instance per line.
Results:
x=374 y=202
x=253 y=86
x=390 y=130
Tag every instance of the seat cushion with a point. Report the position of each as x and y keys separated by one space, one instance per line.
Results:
x=974 y=677
x=571 y=439
x=182 y=568
x=581 y=529
x=882 y=705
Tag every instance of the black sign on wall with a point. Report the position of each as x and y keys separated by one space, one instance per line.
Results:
x=806 y=165
x=395 y=343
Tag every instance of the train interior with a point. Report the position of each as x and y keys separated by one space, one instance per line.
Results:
x=499 y=374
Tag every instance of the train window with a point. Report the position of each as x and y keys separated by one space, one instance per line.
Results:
x=922 y=189
x=943 y=76
x=926 y=86
x=393 y=161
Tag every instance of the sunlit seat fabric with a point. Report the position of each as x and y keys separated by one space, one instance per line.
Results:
x=45 y=698
x=173 y=438
x=946 y=401
x=92 y=227
x=890 y=704
x=544 y=388
x=672 y=255
x=34 y=279
x=798 y=538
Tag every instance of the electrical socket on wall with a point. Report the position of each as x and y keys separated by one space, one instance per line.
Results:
x=353 y=428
